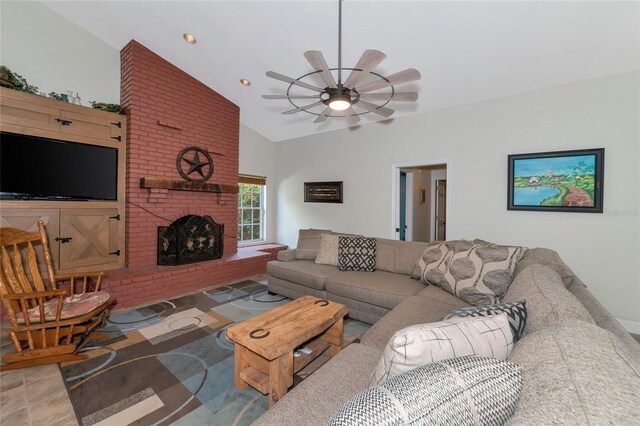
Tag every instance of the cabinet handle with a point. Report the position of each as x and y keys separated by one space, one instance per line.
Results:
x=117 y=252
x=63 y=122
x=64 y=239
x=116 y=217
x=117 y=124
x=118 y=138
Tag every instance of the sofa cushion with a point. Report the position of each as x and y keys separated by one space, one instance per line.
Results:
x=377 y=288
x=398 y=256
x=460 y=391
x=603 y=318
x=429 y=305
x=477 y=273
x=423 y=344
x=308 y=243
x=516 y=312
x=314 y=401
x=304 y=272
x=549 y=258
x=356 y=254
x=548 y=301
x=576 y=373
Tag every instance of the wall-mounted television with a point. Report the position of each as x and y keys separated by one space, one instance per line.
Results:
x=40 y=168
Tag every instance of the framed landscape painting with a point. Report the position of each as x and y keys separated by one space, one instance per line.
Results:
x=561 y=181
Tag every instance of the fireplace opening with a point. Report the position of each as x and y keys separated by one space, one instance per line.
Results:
x=190 y=239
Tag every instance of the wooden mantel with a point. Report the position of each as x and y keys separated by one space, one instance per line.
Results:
x=181 y=185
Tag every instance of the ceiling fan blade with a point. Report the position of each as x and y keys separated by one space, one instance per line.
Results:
x=351 y=117
x=292 y=81
x=397 y=78
x=303 y=108
x=316 y=59
x=368 y=61
x=397 y=96
x=290 y=97
x=383 y=111
x=323 y=116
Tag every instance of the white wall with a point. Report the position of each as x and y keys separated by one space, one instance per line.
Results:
x=257 y=157
x=56 y=55
x=603 y=249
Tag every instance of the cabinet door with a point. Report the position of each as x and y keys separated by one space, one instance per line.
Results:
x=27 y=220
x=93 y=238
x=29 y=115
x=109 y=129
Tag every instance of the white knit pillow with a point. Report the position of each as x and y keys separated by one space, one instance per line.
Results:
x=422 y=344
x=328 y=250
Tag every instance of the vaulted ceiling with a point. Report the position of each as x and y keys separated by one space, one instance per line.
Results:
x=466 y=51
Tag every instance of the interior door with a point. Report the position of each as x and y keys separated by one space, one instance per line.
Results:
x=403 y=205
x=441 y=209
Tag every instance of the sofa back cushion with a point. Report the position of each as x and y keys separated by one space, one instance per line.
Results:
x=398 y=257
x=476 y=271
x=576 y=373
x=309 y=243
x=549 y=258
x=548 y=301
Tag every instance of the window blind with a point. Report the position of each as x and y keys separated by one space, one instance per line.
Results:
x=252 y=180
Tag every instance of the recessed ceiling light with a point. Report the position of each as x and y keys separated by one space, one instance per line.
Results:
x=189 y=38
x=245 y=82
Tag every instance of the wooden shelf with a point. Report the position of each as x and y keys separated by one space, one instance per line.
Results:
x=181 y=185
x=256 y=378
x=318 y=346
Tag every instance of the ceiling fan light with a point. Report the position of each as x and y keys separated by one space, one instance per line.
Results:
x=339 y=102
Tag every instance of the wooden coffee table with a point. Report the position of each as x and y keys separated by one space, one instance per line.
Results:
x=264 y=344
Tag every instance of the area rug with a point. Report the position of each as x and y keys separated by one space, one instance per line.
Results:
x=171 y=363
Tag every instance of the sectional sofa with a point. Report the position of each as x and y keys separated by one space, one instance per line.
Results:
x=579 y=365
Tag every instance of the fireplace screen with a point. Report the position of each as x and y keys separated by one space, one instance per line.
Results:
x=190 y=239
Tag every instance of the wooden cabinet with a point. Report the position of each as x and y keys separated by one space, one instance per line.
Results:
x=80 y=239
x=83 y=235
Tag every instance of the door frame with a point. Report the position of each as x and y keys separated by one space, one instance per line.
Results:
x=395 y=193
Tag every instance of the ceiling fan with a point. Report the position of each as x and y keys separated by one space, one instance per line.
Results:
x=339 y=98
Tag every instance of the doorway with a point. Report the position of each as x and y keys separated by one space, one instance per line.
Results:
x=420 y=201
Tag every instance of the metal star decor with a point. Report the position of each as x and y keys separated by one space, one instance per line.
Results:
x=195 y=164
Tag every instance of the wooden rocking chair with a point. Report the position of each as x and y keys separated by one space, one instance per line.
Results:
x=48 y=323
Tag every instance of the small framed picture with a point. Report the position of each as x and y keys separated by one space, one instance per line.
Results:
x=323 y=192
x=560 y=181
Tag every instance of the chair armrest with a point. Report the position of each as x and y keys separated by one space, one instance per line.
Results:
x=36 y=294
x=65 y=277
x=287 y=255
x=84 y=278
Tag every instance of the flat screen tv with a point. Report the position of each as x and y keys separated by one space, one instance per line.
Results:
x=41 y=168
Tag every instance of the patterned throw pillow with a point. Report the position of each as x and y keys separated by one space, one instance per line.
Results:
x=516 y=312
x=423 y=344
x=458 y=391
x=475 y=271
x=356 y=254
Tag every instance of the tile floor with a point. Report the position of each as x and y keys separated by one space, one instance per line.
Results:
x=37 y=395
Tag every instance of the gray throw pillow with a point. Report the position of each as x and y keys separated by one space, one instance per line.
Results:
x=516 y=313
x=475 y=271
x=309 y=243
x=356 y=254
x=458 y=391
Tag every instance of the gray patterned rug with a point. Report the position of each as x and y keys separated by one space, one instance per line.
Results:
x=171 y=363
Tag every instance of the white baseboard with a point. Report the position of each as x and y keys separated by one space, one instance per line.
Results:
x=630 y=326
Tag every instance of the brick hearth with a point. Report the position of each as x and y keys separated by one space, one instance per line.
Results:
x=169 y=110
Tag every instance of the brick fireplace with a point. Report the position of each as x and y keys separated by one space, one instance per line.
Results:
x=169 y=110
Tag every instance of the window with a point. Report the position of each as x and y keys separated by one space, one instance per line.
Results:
x=251 y=203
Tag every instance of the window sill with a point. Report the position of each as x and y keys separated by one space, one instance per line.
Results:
x=251 y=243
